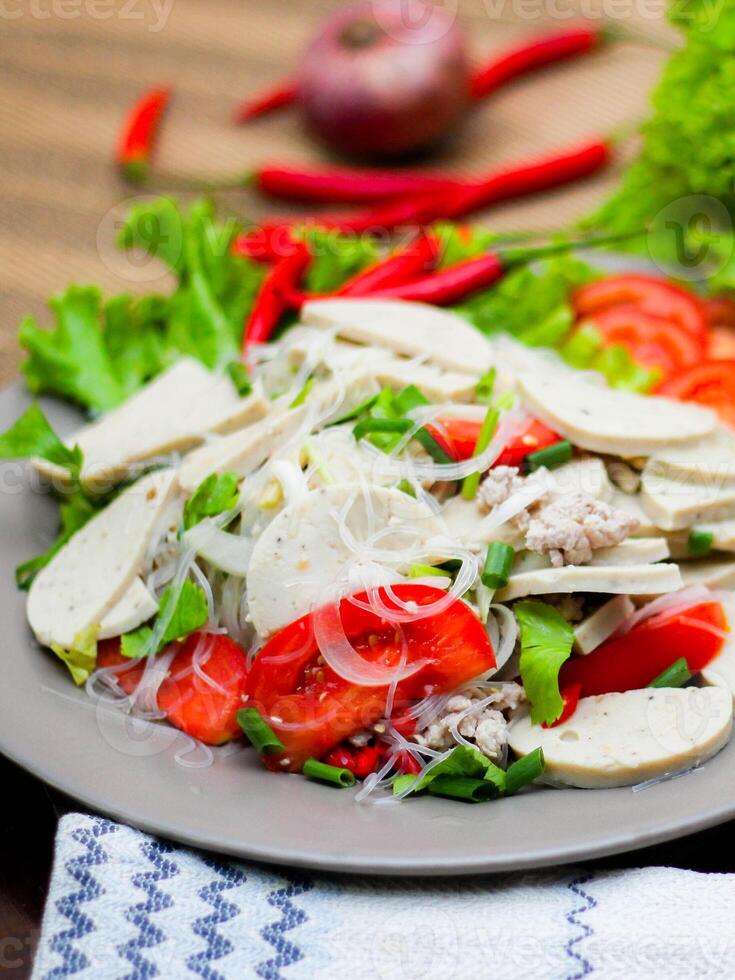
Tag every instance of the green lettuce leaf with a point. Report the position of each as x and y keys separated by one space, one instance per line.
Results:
x=214 y=495
x=32 y=435
x=546 y=642
x=336 y=258
x=463 y=761
x=71 y=360
x=190 y=613
x=82 y=658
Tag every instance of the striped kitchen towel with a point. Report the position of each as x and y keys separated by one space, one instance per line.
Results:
x=124 y=904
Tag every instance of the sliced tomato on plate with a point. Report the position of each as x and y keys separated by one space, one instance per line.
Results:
x=457 y=436
x=710 y=383
x=650 y=340
x=632 y=661
x=719 y=311
x=721 y=343
x=204 y=709
x=653 y=296
x=312 y=709
x=532 y=436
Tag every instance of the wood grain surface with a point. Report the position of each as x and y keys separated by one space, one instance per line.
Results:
x=69 y=70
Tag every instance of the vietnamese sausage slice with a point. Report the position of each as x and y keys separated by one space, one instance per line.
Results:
x=412 y=329
x=92 y=572
x=607 y=420
x=302 y=552
x=613 y=579
x=624 y=739
x=601 y=625
x=135 y=607
x=673 y=504
x=710 y=460
x=587 y=476
x=713 y=574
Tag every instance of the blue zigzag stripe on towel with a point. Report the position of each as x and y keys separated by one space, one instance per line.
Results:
x=149 y=934
x=80 y=869
x=583 y=967
x=292 y=916
x=206 y=927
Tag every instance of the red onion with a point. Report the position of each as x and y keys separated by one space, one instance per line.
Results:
x=385 y=78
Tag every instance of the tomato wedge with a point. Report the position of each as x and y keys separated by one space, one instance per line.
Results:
x=651 y=295
x=719 y=311
x=650 y=340
x=312 y=709
x=710 y=383
x=532 y=436
x=191 y=703
x=721 y=343
x=632 y=661
x=458 y=436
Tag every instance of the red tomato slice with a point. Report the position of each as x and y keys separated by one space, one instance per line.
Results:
x=312 y=709
x=632 y=661
x=649 y=340
x=570 y=696
x=533 y=435
x=461 y=436
x=191 y=704
x=710 y=383
x=651 y=295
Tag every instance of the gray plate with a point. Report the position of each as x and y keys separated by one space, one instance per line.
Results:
x=234 y=806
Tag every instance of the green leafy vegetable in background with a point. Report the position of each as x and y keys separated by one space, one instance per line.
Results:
x=688 y=146
x=82 y=658
x=336 y=258
x=213 y=496
x=190 y=612
x=546 y=642
x=32 y=435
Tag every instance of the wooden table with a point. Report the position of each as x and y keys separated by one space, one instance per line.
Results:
x=69 y=69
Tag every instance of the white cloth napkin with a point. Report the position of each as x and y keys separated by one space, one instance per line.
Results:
x=124 y=904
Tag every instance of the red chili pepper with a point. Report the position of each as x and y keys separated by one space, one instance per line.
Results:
x=534 y=54
x=407 y=764
x=266 y=102
x=570 y=696
x=139 y=133
x=451 y=284
x=367 y=760
x=341 y=757
x=344 y=186
x=271 y=302
x=415 y=260
x=455 y=201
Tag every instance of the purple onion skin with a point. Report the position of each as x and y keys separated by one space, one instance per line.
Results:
x=385 y=78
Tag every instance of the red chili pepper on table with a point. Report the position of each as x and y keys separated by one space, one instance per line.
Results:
x=272 y=300
x=139 y=133
x=343 y=185
x=449 y=285
x=532 y=55
x=456 y=201
x=263 y=245
x=265 y=102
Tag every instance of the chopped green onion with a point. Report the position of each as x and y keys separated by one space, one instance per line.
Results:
x=498 y=563
x=550 y=456
x=384 y=405
x=239 y=376
x=408 y=399
x=405 y=486
x=323 y=773
x=358 y=410
x=485 y=386
x=421 y=571
x=699 y=543
x=262 y=737
x=464 y=788
x=368 y=426
x=303 y=394
x=524 y=771
x=674 y=676
x=432 y=447
x=489 y=425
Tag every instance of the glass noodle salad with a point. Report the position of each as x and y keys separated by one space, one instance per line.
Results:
x=401 y=553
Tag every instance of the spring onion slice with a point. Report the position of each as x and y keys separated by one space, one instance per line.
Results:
x=262 y=737
x=524 y=771
x=323 y=773
x=699 y=543
x=489 y=425
x=498 y=563
x=464 y=788
x=369 y=426
x=674 y=676
x=550 y=456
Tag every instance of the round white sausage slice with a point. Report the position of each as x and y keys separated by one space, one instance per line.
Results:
x=624 y=739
